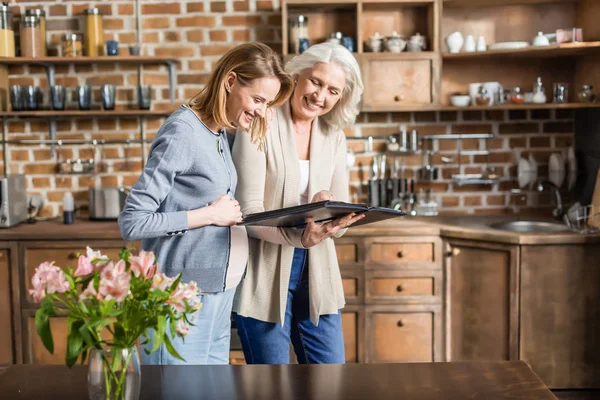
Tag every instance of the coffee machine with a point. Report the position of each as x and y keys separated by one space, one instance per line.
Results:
x=587 y=153
x=13 y=200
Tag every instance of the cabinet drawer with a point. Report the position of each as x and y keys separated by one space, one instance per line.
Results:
x=351 y=336
x=401 y=252
x=62 y=257
x=350 y=286
x=346 y=252
x=392 y=85
x=401 y=337
x=401 y=286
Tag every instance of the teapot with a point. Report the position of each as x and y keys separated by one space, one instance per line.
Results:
x=375 y=42
x=395 y=43
x=416 y=43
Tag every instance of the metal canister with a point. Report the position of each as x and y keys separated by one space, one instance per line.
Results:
x=7 y=35
x=41 y=15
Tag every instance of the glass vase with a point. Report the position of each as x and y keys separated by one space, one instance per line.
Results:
x=114 y=374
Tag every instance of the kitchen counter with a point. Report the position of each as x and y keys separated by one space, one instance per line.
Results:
x=471 y=227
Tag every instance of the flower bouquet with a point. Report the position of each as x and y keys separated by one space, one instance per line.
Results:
x=109 y=305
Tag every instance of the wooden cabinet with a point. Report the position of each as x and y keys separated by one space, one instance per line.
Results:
x=481 y=301
x=351 y=325
x=9 y=300
x=560 y=314
x=392 y=84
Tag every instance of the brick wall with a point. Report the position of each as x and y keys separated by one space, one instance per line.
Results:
x=198 y=33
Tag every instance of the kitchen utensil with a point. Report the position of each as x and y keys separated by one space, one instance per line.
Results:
x=374 y=183
x=106 y=203
x=586 y=94
x=403 y=139
x=57 y=97
x=84 y=97
x=383 y=192
x=583 y=219
x=108 y=92
x=144 y=93
x=460 y=100
x=17 y=98
x=523 y=172
x=413 y=141
x=556 y=167
x=112 y=48
x=13 y=200
x=395 y=43
x=134 y=50
x=32 y=97
x=561 y=92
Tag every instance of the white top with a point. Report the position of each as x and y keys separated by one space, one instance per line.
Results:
x=304 y=174
x=238 y=256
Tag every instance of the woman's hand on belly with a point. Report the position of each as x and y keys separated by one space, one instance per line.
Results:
x=221 y=212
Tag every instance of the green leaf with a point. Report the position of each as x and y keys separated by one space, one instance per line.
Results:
x=42 y=323
x=70 y=280
x=84 y=354
x=74 y=343
x=171 y=349
x=160 y=332
x=86 y=335
x=175 y=284
x=124 y=254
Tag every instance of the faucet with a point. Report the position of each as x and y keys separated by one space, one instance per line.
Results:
x=558 y=211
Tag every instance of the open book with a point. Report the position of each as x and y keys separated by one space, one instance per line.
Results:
x=323 y=211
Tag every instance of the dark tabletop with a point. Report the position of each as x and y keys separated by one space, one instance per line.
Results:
x=447 y=381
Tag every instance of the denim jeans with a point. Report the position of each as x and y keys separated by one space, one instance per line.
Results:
x=208 y=340
x=268 y=343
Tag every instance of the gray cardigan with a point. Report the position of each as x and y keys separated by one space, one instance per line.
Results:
x=188 y=167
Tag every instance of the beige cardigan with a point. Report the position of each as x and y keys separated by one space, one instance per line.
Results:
x=269 y=180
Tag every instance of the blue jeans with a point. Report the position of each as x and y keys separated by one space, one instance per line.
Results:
x=208 y=340
x=269 y=343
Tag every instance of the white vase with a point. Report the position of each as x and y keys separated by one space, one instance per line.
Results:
x=470 y=44
x=481 y=46
x=454 y=41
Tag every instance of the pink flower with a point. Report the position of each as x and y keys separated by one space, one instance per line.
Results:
x=114 y=281
x=48 y=278
x=89 y=291
x=185 y=293
x=182 y=327
x=161 y=281
x=97 y=256
x=143 y=264
x=84 y=267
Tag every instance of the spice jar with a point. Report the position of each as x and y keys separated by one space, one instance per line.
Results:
x=299 y=30
x=586 y=94
x=94 y=33
x=7 y=35
x=539 y=95
x=516 y=96
x=31 y=36
x=72 y=45
x=483 y=98
x=41 y=15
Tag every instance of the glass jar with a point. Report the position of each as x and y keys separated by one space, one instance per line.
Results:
x=298 y=31
x=41 y=15
x=7 y=35
x=516 y=96
x=72 y=45
x=94 y=33
x=483 y=98
x=114 y=373
x=586 y=94
x=539 y=94
x=31 y=36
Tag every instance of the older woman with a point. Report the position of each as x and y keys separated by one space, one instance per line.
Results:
x=292 y=291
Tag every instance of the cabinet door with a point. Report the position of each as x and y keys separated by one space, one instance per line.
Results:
x=481 y=303
x=560 y=314
x=351 y=328
x=404 y=334
x=391 y=84
x=7 y=343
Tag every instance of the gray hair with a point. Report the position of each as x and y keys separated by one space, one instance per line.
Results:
x=344 y=113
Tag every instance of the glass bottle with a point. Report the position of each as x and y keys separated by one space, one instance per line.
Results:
x=7 y=35
x=31 y=36
x=94 y=32
x=483 y=98
x=41 y=15
x=72 y=45
x=586 y=94
x=298 y=32
x=539 y=95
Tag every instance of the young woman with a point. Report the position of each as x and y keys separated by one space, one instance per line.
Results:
x=183 y=206
x=289 y=293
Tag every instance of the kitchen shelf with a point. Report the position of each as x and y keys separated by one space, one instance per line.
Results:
x=87 y=60
x=58 y=114
x=545 y=106
x=404 y=55
x=554 y=50
x=500 y=3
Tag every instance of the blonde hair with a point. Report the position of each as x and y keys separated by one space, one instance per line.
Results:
x=344 y=113
x=248 y=61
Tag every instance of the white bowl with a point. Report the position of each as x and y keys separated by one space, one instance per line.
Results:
x=460 y=100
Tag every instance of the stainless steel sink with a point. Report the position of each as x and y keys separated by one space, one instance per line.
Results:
x=531 y=227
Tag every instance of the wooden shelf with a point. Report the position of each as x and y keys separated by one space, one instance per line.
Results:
x=555 y=50
x=546 y=106
x=84 y=114
x=405 y=55
x=87 y=60
x=500 y=3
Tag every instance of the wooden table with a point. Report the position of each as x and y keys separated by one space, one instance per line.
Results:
x=427 y=381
